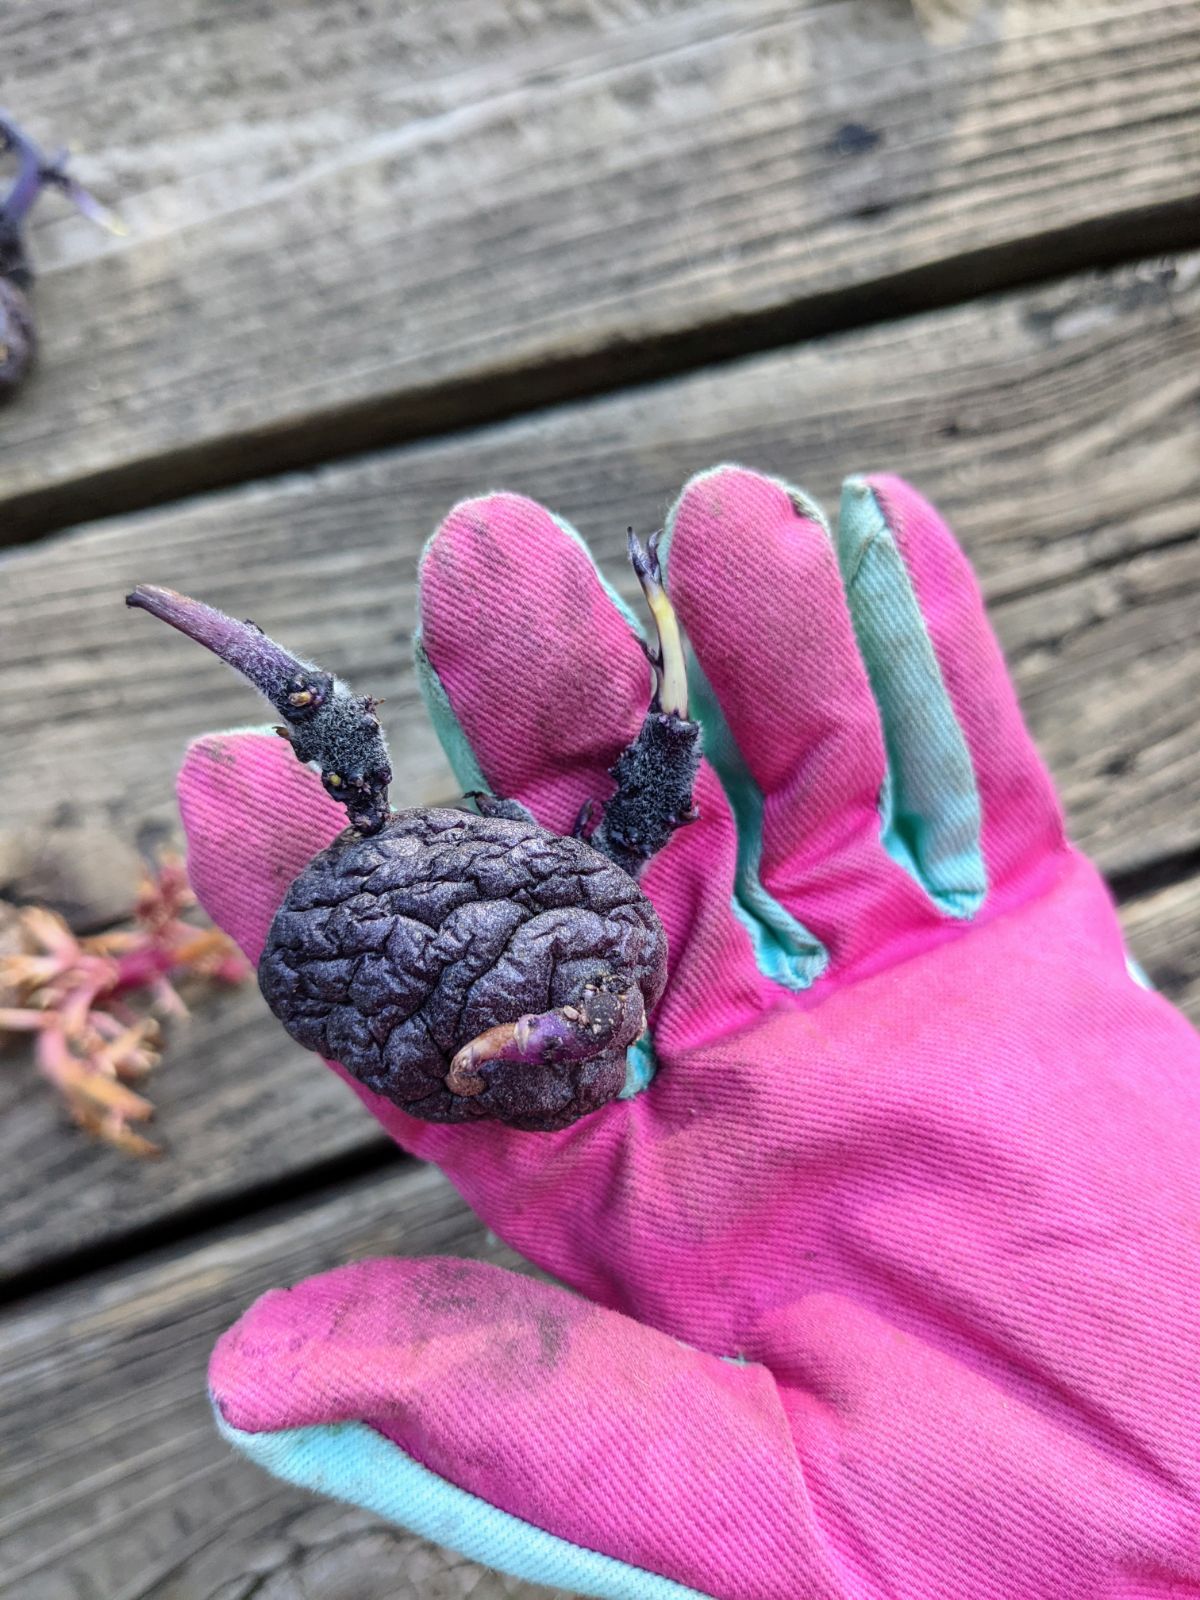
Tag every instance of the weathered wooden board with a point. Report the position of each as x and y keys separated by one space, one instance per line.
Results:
x=114 y=1483
x=238 y=1108
x=1163 y=929
x=351 y=222
x=1058 y=428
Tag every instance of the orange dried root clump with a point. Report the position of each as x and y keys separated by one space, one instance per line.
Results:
x=73 y=996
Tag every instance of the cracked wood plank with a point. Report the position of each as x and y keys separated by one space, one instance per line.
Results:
x=356 y=220
x=114 y=1482
x=1058 y=428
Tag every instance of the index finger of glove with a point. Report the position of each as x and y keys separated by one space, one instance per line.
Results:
x=536 y=681
x=527 y=650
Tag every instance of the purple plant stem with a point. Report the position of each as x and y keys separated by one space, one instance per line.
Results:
x=327 y=724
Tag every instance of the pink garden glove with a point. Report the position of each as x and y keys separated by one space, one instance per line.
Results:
x=887 y=1286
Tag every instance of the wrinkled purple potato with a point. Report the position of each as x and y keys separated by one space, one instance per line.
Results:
x=466 y=966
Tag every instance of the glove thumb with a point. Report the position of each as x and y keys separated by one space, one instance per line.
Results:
x=524 y=1427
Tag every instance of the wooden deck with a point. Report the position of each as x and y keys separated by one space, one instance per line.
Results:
x=384 y=253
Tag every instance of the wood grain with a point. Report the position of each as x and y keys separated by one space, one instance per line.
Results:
x=238 y=1109
x=1059 y=429
x=356 y=220
x=1163 y=929
x=114 y=1483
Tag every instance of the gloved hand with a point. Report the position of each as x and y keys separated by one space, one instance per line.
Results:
x=887 y=1285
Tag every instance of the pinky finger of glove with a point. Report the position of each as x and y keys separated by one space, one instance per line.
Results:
x=525 y=1428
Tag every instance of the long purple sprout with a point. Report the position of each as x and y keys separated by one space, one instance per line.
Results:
x=328 y=725
x=338 y=732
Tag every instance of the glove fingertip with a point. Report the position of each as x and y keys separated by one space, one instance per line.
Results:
x=246 y=1359
x=537 y=680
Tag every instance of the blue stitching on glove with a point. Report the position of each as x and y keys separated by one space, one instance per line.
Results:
x=351 y=1462
x=784 y=949
x=445 y=724
x=929 y=810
